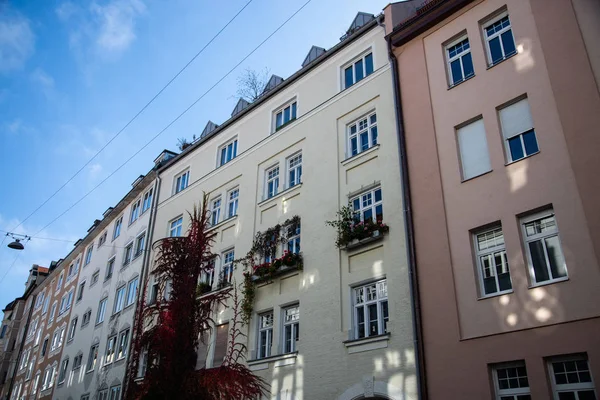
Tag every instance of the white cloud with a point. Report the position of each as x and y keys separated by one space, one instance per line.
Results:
x=95 y=170
x=40 y=77
x=16 y=41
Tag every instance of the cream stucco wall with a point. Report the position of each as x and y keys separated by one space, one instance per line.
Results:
x=323 y=367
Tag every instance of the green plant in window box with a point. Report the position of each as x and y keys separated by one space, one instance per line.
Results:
x=350 y=230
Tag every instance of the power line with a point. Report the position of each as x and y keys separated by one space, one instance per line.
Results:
x=135 y=116
x=9 y=268
x=176 y=119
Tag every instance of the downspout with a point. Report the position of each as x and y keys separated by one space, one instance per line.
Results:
x=409 y=231
x=144 y=273
x=12 y=378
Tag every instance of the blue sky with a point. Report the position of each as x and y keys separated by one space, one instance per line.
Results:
x=72 y=73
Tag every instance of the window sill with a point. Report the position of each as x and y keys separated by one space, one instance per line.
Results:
x=355 y=244
x=477 y=176
x=283 y=126
x=549 y=282
x=280 y=194
x=279 y=360
x=504 y=59
x=498 y=294
x=463 y=81
x=367 y=344
x=360 y=155
x=521 y=159
x=220 y=224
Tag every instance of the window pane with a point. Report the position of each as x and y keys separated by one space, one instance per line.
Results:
x=354 y=145
x=360 y=321
x=373 y=321
x=495 y=50
x=508 y=43
x=530 y=141
x=279 y=120
x=567 y=396
x=358 y=70
x=286 y=115
x=379 y=213
x=555 y=256
x=348 y=80
x=586 y=395
x=516 y=149
x=468 y=65
x=294 y=110
x=369 y=64
x=502 y=271
x=374 y=135
x=456 y=71
x=539 y=261
x=223 y=154
x=368 y=215
x=364 y=141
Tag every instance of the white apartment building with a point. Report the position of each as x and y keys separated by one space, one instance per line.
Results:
x=98 y=334
x=341 y=327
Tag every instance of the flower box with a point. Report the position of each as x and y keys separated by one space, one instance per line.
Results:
x=375 y=236
x=279 y=266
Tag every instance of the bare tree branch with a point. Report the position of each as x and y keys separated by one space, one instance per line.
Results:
x=251 y=83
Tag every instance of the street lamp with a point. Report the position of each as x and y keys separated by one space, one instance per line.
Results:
x=17 y=245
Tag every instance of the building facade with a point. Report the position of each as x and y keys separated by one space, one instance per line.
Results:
x=94 y=357
x=341 y=327
x=500 y=109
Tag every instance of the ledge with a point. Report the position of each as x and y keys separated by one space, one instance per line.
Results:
x=363 y=242
x=279 y=360
x=280 y=194
x=367 y=344
x=360 y=155
x=280 y=272
x=220 y=224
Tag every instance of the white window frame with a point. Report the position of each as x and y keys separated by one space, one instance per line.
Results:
x=294 y=165
x=458 y=56
x=119 y=299
x=365 y=207
x=542 y=236
x=208 y=276
x=233 y=202
x=356 y=128
x=511 y=393
x=101 y=314
x=181 y=181
x=128 y=254
x=110 y=267
x=140 y=243
x=130 y=298
x=117 y=227
x=111 y=350
x=487 y=39
x=72 y=329
x=62 y=373
x=290 y=322
x=101 y=239
x=362 y=57
x=570 y=387
x=122 y=344
x=265 y=328
x=359 y=302
x=293 y=110
x=147 y=200
x=227 y=265
x=115 y=392
x=272 y=175
x=92 y=358
x=60 y=281
x=491 y=252
x=135 y=211
x=103 y=394
x=53 y=311
x=506 y=139
x=293 y=238
x=215 y=210
x=230 y=144
x=176 y=226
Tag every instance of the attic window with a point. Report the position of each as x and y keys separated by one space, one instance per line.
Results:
x=357 y=70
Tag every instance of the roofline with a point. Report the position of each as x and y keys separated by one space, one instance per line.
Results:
x=286 y=82
x=437 y=11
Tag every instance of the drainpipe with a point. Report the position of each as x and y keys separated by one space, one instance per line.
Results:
x=12 y=378
x=409 y=231
x=144 y=274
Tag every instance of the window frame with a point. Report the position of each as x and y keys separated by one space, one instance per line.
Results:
x=233 y=201
x=120 y=294
x=147 y=200
x=215 y=210
x=490 y=252
x=272 y=178
x=229 y=266
x=174 y=225
x=62 y=373
x=72 y=329
x=372 y=140
x=296 y=168
x=459 y=56
x=352 y=63
x=134 y=213
x=224 y=158
x=381 y=320
x=512 y=393
x=541 y=236
x=101 y=313
x=92 y=358
x=520 y=135
x=268 y=331
x=128 y=292
x=111 y=349
x=292 y=105
x=117 y=227
x=373 y=206
x=127 y=254
x=487 y=23
x=179 y=181
x=115 y=392
x=293 y=325
x=293 y=243
x=570 y=387
x=140 y=239
x=122 y=347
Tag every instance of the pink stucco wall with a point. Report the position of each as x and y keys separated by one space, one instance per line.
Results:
x=463 y=334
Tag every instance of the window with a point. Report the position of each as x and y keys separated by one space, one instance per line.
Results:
x=208 y=275
x=46 y=303
x=24 y=359
x=3 y=331
x=119 y=299
x=122 y=343
x=370 y=310
x=60 y=281
x=544 y=253
x=117 y=229
x=128 y=254
x=293 y=238
x=358 y=70
x=44 y=347
x=63 y=371
x=65 y=302
x=102 y=239
x=265 y=334
x=80 y=291
x=272 y=181
x=291 y=326
x=131 y=292
x=38 y=302
x=95 y=278
x=228 y=152
x=147 y=201
x=103 y=394
x=111 y=345
x=110 y=266
x=368 y=204
x=511 y=382
x=175 y=227
x=572 y=379
x=77 y=361
x=32 y=328
x=48 y=377
x=101 y=310
x=139 y=245
x=92 y=358
x=221 y=340
x=181 y=181
x=499 y=39
x=154 y=293
x=74 y=267
x=30 y=369
x=473 y=150
x=227 y=267
x=232 y=202
x=492 y=262
x=52 y=312
x=460 y=64
x=115 y=392
x=135 y=211
x=294 y=164
x=88 y=255
x=85 y=397
x=86 y=318
x=72 y=329
x=518 y=131
x=285 y=115
x=38 y=336
x=215 y=211
x=362 y=134
x=57 y=339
